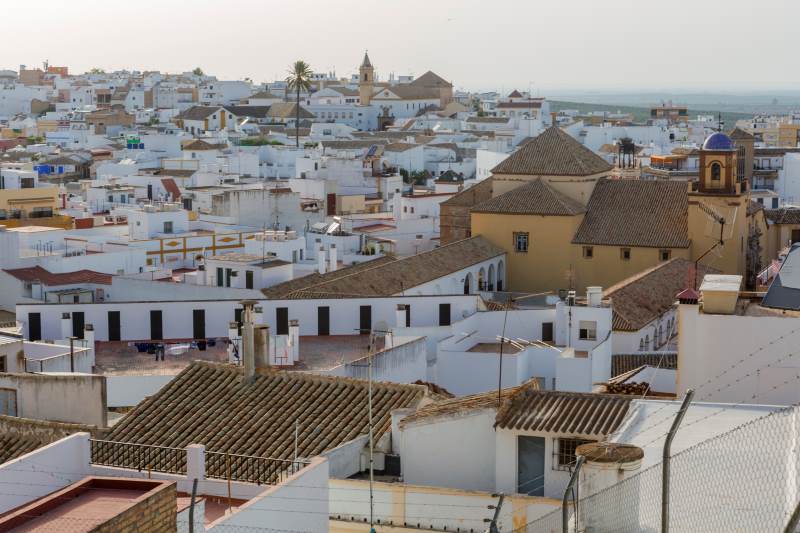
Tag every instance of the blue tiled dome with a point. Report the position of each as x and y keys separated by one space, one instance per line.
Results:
x=718 y=141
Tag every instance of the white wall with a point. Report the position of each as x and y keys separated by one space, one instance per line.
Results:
x=127 y=391
x=45 y=470
x=76 y=398
x=456 y=451
x=403 y=363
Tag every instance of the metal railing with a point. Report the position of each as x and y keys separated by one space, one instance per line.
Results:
x=250 y=468
x=138 y=456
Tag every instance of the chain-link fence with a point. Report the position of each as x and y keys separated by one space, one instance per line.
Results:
x=746 y=479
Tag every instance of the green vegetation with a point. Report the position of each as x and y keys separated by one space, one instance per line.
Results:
x=97 y=70
x=259 y=141
x=198 y=71
x=642 y=114
x=35 y=140
x=299 y=79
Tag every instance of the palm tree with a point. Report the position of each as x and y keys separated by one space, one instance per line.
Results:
x=299 y=78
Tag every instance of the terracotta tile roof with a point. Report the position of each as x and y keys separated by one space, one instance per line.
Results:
x=209 y=403
x=253 y=111
x=738 y=133
x=431 y=79
x=471 y=196
x=534 y=198
x=394 y=277
x=636 y=213
x=51 y=279
x=488 y=120
x=198 y=112
x=784 y=215
x=19 y=436
x=643 y=297
x=627 y=362
x=353 y=145
x=563 y=412
x=171 y=187
x=264 y=95
x=532 y=104
x=286 y=110
x=399 y=147
x=406 y=92
x=553 y=153
x=200 y=145
x=754 y=207
x=282 y=290
x=515 y=94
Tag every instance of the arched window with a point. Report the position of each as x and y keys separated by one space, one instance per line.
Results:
x=468 y=283
x=647 y=342
x=660 y=335
x=641 y=345
x=716 y=172
x=491 y=278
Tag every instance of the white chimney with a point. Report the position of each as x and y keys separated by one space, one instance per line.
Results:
x=321 y=260
x=594 y=296
x=261 y=346
x=66 y=325
x=294 y=341
x=248 y=344
x=332 y=259
x=88 y=336
x=401 y=315
x=606 y=464
x=235 y=346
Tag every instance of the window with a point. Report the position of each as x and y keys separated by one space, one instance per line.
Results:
x=588 y=252
x=625 y=254
x=248 y=279
x=521 y=242
x=168 y=227
x=716 y=171
x=587 y=330
x=664 y=255
x=3 y=366
x=564 y=452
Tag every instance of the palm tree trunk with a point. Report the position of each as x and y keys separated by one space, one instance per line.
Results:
x=297 y=120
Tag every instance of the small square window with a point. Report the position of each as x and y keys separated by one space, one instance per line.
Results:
x=587 y=330
x=625 y=254
x=588 y=252
x=564 y=450
x=521 y=242
x=664 y=255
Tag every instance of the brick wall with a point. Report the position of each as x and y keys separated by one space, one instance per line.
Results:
x=155 y=514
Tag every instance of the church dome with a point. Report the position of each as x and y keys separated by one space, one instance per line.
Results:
x=718 y=141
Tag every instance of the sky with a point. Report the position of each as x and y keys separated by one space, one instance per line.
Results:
x=537 y=45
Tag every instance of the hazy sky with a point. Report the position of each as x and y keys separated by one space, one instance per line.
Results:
x=490 y=44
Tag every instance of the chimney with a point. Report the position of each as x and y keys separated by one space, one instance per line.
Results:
x=554 y=118
x=261 y=346
x=607 y=463
x=294 y=342
x=88 y=336
x=594 y=295
x=234 y=348
x=720 y=293
x=321 y=260
x=66 y=325
x=248 y=348
x=401 y=315
x=332 y=259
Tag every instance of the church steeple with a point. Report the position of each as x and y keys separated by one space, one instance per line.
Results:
x=366 y=78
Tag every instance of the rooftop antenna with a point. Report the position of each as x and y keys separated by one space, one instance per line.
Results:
x=719 y=121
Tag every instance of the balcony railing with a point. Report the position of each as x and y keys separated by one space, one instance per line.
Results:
x=250 y=468
x=138 y=456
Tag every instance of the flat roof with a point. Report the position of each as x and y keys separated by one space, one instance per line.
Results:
x=721 y=282
x=82 y=506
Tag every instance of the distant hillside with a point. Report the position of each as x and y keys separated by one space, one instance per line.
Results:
x=642 y=114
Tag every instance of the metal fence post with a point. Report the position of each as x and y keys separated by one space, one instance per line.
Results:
x=191 y=506
x=572 y=480
x=794 y=520
x=687 y=399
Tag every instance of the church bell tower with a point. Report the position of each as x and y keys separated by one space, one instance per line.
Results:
x=366 y=79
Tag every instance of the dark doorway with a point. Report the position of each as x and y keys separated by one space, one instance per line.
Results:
x=547 y=331
x=156 y=329
x=365 y=319
x=114 y=328
x=795 y=235
x=199 y=324
x=408 y=316
x=77 y=324
x=282 y=320
x=530 y=465
x=237 y=317
x=220 y=279
x=34 y=326
x=323 y=320
x=444 y=314
x=248 y=279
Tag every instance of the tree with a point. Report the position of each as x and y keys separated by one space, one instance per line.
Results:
x=198 y=71
x=299 y=78
x=97 y=70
